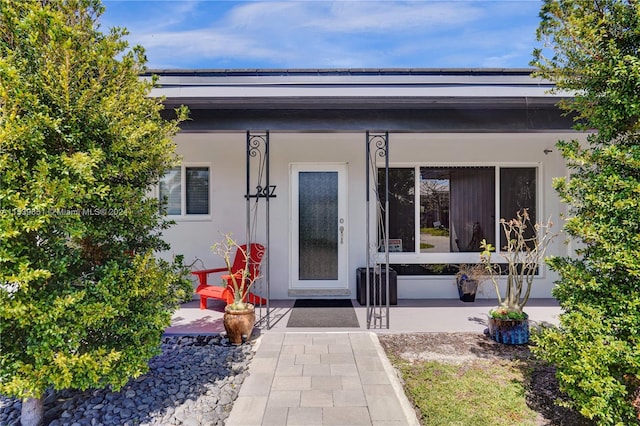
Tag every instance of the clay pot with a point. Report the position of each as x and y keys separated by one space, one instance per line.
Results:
x=239 y=323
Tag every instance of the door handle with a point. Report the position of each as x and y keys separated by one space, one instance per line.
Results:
x=341 y=234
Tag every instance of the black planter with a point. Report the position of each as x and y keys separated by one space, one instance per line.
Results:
x=467 y=289
x=361 y=291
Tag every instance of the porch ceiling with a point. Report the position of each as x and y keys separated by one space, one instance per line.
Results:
x=361 y=102
x=433 y=120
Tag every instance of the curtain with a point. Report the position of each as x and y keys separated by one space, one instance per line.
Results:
x=472 y=208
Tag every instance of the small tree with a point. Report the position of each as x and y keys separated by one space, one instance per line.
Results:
x=241 y=281
x=83 y=300
x=525 y=251
x=596 y=349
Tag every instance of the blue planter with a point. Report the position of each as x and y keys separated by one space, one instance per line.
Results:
x=509 y=332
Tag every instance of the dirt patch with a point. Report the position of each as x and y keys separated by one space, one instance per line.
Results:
x=459 y=348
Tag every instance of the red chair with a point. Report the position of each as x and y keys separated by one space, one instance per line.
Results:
x=207 y=291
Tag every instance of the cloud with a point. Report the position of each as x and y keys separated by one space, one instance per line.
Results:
x=313 y=34
x=145 y=16
x=380 y=17
x=202 y=43
x=352 y=16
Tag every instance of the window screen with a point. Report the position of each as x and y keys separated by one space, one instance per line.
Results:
x=197 y=182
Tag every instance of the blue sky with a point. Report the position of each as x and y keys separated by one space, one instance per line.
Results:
x=329 y=34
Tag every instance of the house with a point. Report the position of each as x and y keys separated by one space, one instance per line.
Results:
x=298 y=160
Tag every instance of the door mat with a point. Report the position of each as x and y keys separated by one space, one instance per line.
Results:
x=323 y=313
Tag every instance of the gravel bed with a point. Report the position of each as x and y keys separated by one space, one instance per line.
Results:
x=193 y=382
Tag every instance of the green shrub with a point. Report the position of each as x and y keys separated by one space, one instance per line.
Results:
x=596 y=349
x=83 y=299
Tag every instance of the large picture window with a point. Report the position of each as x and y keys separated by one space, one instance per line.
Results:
x=185 y=191
x=436 y=210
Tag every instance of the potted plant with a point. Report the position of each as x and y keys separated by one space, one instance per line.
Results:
x=239 y=315
x=526 y=245
x=468 y=278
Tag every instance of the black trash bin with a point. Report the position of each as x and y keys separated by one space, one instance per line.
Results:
x=361 y=286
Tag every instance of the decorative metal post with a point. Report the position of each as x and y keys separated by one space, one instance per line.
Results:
x=373 y=294
x=258 y=149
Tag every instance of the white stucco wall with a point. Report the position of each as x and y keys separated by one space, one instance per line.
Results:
x=225 y=153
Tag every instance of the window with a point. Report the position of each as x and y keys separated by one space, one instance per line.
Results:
x=457 y=208
x=402 y=207
x=194 y=199
x=454 y=208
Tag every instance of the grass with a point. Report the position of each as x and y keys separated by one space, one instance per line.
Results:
x=436 y=232
x=475 y=393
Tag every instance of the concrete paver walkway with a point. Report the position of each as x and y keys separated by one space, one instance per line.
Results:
x=337 y=376
x=329 y=378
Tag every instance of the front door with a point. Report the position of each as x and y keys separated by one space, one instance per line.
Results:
x=319 y=226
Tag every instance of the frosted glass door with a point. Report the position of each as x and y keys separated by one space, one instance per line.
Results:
x=319 y=226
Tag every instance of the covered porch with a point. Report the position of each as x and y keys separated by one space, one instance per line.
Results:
x=408 y=316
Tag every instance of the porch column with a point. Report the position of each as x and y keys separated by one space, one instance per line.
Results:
x=259 y=188
x=377 y=314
